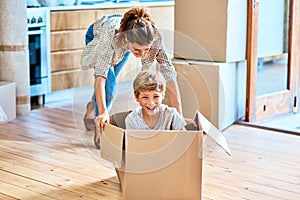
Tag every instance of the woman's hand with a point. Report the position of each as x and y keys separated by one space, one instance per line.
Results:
x=101 y=120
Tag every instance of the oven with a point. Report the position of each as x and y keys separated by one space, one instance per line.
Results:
x=38 y=21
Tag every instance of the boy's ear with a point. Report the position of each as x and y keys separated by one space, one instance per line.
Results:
x=136 y=99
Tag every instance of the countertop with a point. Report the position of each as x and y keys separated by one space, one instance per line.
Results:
x=113 y=5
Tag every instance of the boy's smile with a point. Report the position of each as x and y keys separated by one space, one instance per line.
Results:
x=150 y=100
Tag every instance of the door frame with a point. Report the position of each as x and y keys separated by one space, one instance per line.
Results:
x=282 y=102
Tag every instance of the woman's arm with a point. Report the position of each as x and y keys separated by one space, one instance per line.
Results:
x=174 y=95
x=99 y=87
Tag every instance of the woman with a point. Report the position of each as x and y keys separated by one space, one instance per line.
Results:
x=113 y=38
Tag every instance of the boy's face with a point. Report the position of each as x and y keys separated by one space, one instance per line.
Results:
x=150 y=100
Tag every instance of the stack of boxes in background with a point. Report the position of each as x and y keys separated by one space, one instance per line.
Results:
x=210 y=52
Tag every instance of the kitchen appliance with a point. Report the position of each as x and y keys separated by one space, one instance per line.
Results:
x=48 y=2
x=32 y=3
x=38 y=21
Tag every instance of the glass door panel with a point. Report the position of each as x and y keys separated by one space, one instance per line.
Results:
x=272 y=46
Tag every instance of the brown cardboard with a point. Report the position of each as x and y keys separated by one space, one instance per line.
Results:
x=217 y=90
x=8 y=99
x=211 y=30
x=156 y=164
x=167 y=176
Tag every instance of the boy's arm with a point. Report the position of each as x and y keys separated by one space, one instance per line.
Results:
x=178 y=122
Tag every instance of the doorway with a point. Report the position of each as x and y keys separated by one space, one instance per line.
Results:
x=273 y=43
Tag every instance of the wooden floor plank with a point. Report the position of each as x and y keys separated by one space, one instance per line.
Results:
x=263 y=140
x=16 y=192
x=84 y=163
x=216 y=191
x=250 y=160
x=63 y=187
x=6 y=197
x=269 y=158
x=40 y=187
x=60 y=171
x=254 y=185
x=249 y=173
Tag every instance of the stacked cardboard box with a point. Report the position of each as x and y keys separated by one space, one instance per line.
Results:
x=217 y=90
x=211 y=30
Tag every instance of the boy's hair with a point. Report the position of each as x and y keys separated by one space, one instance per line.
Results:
x=149 y=80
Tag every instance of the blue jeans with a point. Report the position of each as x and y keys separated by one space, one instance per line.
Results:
x=111 y=79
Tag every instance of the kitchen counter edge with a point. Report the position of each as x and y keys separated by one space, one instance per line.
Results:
x=112 y=5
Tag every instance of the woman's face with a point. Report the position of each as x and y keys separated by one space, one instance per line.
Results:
x=139 y=51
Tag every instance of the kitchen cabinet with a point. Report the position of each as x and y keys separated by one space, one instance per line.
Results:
x=67 y=41
x=68 y=28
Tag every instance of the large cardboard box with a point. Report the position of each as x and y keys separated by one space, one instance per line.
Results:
x=211 y=30
x=8 y=100
x=217 y=90
x=161 y=164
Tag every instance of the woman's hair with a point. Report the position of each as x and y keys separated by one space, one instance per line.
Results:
x=149 y=80
x=138 y=26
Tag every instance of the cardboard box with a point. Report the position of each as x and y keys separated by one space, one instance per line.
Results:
x=217 y=90
x=158 y=164
x=8 y=100
x=211 y=30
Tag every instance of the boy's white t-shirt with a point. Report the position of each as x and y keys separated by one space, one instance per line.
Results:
x=169 y=119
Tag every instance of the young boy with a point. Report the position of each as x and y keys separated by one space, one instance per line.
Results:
x=149 y=91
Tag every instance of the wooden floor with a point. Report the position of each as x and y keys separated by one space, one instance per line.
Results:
x=47 y=155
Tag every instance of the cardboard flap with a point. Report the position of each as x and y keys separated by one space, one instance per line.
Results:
x=111 y=144
x=212 y=132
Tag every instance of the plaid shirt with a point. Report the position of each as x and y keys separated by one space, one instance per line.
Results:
x=104 y=51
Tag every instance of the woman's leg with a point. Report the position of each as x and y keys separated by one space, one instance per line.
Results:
x=111 y=81
x=89 y=36
x=95 y=104
x=120 y=65
x=90 y=107
x=110 y=84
